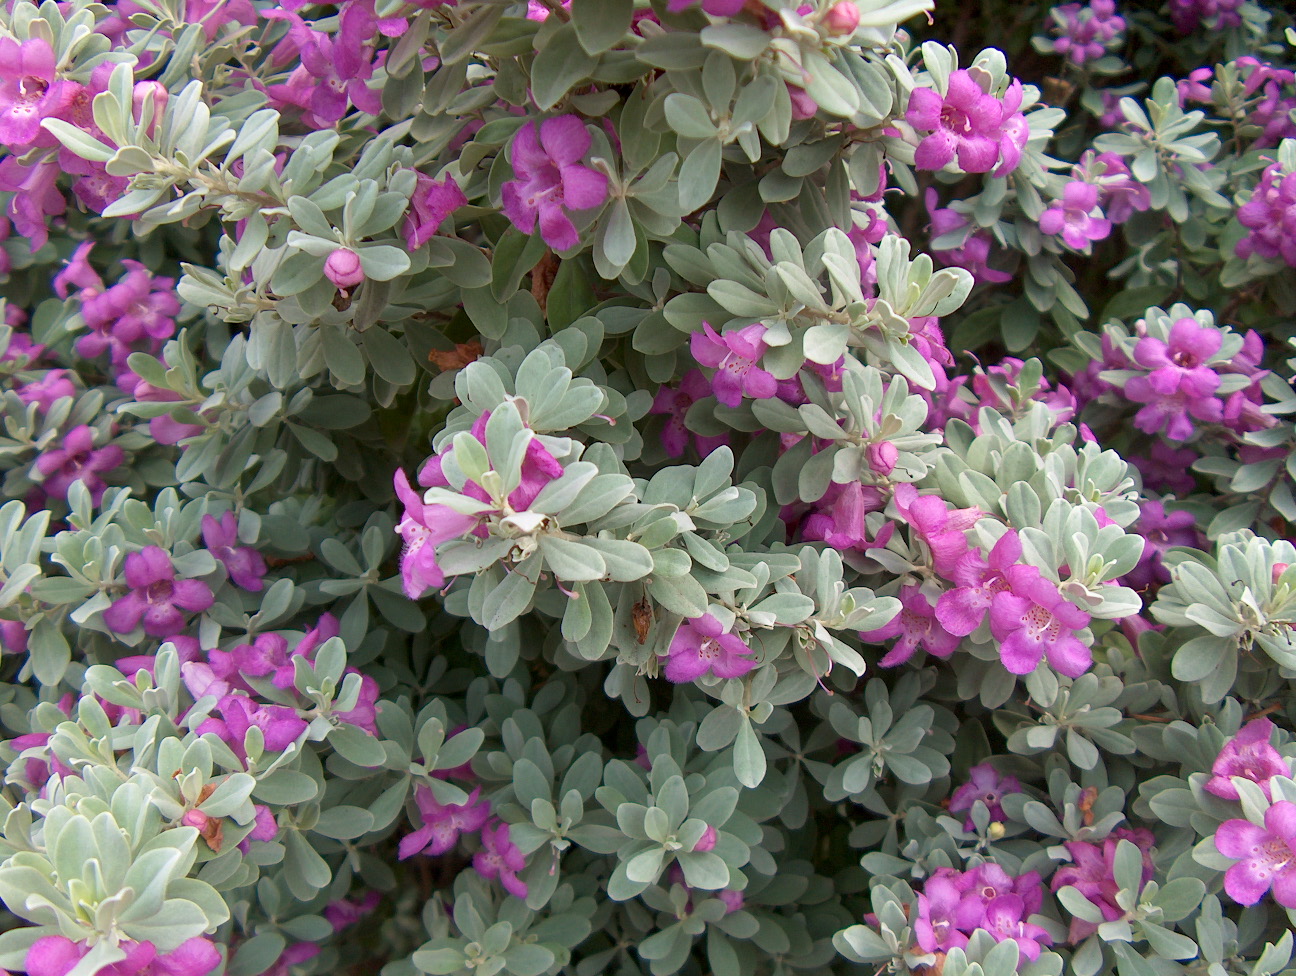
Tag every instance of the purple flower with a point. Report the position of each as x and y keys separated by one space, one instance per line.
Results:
x=984 y=785
x=344 y=913
x=701 y=645
x=333 y=68
x=243 y=563
x=13 y=637
x=442 y=824
x=1270 y=216
x=838 y=518
x=539 y=467
x=29 y=90
x=551 y=181
x=1266 y=856
x=1092 y=873
x=280 y=726
x=734 y=356
x=915 y=625
x=500 y=859
x=1161 y=530
x=157 y=598
x=424 y=527
x=1189 y=15
x=1167 y=468
x=972 y=255
x=433 y=201
x=674 y=403
x=968 y=124
x=36 y=196
x=716 y=8
x=1030 y=619
x=1119 y=194
x=1180 y=385
x=56 y=955
x=1085 y=32
x=954 y=904
x=78 y=460
x=342 y=267
x=1076 y=218
x=936 y=927
x=137 y=314
x=1250 y=756
x=942 y=528
x=54 y=385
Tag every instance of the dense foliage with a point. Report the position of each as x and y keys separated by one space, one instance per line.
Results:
x=647 y=486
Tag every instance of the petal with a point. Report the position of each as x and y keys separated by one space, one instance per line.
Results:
x=1020 y=655
x=583 y=187
x=556 y=228
x=924 y=109
x=1247 y=881
x=936 y=151
x=1239 y=838
x=565 y=139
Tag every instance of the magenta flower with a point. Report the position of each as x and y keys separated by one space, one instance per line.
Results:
x=280 y=726
x=734 y=356
x=1031 y=620
x=56 y=955
x=36 y=196
x=551 y=182
x=243 y=563
x=344 y=912
x=333 y=70
x=539 y=467
x=1250 y=756
x=936 y=927
x=984 y=785
x=968 y=124
x=433 y=201
x=500 y=859
x=342 y=267
x=1180 y=384
x=78 y=460
x=701 y=646
x=442 y=824
x=716 y=8
x=1076 y=218
x=916 y=625
x=954 y=904
x=942 y=528
x=29 y=90
x=157 y=598
x=1119 y=194
x=424 y=527
x=973 y=254
x=1270 y=216
x=1085 y=32
x=1161 y=530
x=1266 y=856
x=13 y=637
x=838 y=518
x=1167 y=468
x=673 y=403
x=1092 y=873
x=135 y=314
x=53 y=386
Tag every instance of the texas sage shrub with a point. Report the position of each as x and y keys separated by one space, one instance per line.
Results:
x=647 y=486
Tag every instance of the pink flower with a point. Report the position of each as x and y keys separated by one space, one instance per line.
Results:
x=916 y=625
x=984 y=785
x=838 y=518
x=969 y=124
x=1030 y=619
x=1092 y=872
x=734 y=356
x=940 y=527
x=157 y=598
x=702 y=646
x=674 y=403
x=500 y=859
x=36 y=196
x=433 y=201
x=280 y=726
x=551 y=181
x=1180 y=384
x=243 y=563
x=1250 y=756
x=442 y=823
x=342 y=267
x=973 y=254
x=55 y=955
x=1266 y=856
x=135 y=314
x=1076 y=218
x=344 y=913
x=78 y=460
x=29 y=90
x=424 y=527
x=53 y=386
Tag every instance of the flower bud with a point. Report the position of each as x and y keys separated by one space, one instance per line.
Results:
x=882 y=457
x=160 y=96
x=843 y=19
x=707 y=841
x=343 y=268
x=1279 y=569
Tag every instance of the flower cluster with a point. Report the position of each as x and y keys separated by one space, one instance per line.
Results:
x=954 y=904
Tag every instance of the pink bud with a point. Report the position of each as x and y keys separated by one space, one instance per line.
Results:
x=882 y=457
x=803 y=106
x=194 y=818
x=160 y=97
x=843 y=18
x=1278 y=570
x=707 y=841
x=343 y=268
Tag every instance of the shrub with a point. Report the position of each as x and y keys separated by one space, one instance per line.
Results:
x=647 y=486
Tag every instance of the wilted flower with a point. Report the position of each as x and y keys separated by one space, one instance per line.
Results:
x=500 y=859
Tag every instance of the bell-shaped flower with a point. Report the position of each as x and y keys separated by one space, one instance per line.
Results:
x=1031 y=620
